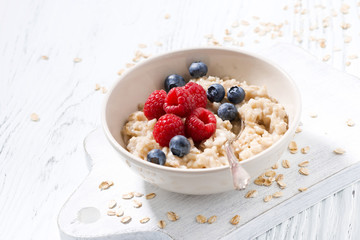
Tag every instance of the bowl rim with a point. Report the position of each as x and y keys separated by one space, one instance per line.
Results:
x=123 y=151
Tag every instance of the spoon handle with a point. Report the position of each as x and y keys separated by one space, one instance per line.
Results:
x=240 y=176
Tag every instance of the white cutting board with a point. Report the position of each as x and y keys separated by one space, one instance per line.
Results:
x=334 y=96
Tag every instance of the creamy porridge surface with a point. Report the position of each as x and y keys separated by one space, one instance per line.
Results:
x=265 y=122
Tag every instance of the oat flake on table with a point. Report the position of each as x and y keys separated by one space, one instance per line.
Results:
x=200 y=219
x=251 y=194
x=105 y=185
x=126 y=219
x=212 y=219
x=303 y=164
x=304 y=171
x=128 y=195
x=112 y=204
x=339 y=151
x=144 y=220
x=150 y=196
x=161 y=224
x=305 y=150
x=235 y=220
x=286 y=163
x=172 y=216
x=34 y=117
x=303 y=189
x=267 y=198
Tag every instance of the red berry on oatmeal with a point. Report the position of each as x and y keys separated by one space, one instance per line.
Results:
x=179 y=102
x=198 y=93
x=154 y=105
x=200 y=125
x=168 y=126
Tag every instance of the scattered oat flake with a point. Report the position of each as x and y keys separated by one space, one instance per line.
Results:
x=339 y=151
x=304 y=171
x=267 y=198
x=141 y=45
x=103 y=90
x=348 y=63
x=305 y=150
x=137 y=194
x=126 y=219
x=347 y=39
x=293 y=146
x=162 y=224
x=97 y=87
x=137 y=204
x=150 y=196
x=285 y=7
x=251 y=194
x=303 y=164
x=228 y=38
x=34 y=117
x=105 y=185
x=172 y=216
x=277 y=194
x=76 y=60
x=129 y=65
x=286 y=163
x=259 y=181
x=350 y=122
x=281 y=184
x=121 y=71
x=167 y=16
x=245 y=23
x=128 y=195
x=112 y=204
x=200 y=219
x=275 y=166
x=111 y=213
x=345 y=26
x=303 y=189
x=144 y=220
x=211 y=219
x=227 y=32
x=279 y=177
x=326 y=58
x=119 y=212
x=345 y=8
x=298 y=130
x=235 y=220
x=270 y=173
x=44 y=57
x=313 y=115
x=235 y=24
x=352 y=57
x=267 y=182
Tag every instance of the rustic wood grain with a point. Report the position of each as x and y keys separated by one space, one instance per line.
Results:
x=41 y=163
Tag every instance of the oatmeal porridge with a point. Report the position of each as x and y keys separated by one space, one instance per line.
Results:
x=265 y=122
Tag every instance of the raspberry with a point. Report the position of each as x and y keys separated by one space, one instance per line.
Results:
x=200 y=125
x=179 y=102
x=153 y=107
x=168 y=126
x=198 y=93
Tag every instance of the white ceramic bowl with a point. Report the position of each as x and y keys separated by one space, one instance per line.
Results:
x=136 y=85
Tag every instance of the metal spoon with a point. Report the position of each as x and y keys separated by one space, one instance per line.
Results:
x=239 y=175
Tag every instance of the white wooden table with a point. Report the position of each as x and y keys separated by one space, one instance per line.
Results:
x=41 y=163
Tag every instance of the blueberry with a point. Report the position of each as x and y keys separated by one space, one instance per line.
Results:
x=215 y=93
x=236 y=94
x=198 y=69
x=179 y=146
x=172 y=81
x=156 y=156
x=227 y=111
